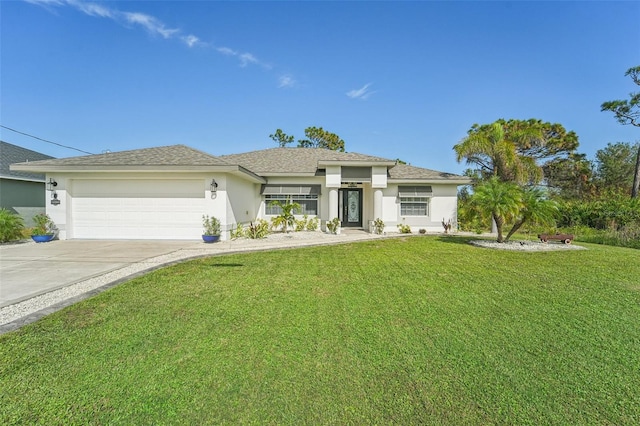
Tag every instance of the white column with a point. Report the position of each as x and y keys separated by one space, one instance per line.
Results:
x=377 y=204
x=333 y=203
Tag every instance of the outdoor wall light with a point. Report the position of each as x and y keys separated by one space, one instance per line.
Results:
x=214 y=188
x=52 y=184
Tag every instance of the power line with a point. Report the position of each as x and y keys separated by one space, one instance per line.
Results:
x=44 y=140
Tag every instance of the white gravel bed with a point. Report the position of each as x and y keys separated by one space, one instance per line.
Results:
x=526 y=245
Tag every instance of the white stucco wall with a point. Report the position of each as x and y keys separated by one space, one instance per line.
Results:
x=442 y=205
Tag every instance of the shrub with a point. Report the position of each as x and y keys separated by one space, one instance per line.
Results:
x=239 y=232
x=333 y=225
x=301 y=224
x=404 y=229
x=615 y=212
x=422 y=231
x=257 y=230
x=378 y=226
x=312 y=224
x=11 y=226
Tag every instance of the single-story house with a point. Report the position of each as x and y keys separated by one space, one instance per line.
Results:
x=163 y=192
x=22 y=192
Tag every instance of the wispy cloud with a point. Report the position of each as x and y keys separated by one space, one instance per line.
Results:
x=361 y=93
x=286 y=81
x=150 y=23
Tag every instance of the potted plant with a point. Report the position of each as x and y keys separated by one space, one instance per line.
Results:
x=211 y=229
x=45 y=229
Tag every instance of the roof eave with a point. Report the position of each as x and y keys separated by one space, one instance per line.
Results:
x=21 y=178
x=234 y=169
x=455 y=181
x=356 y=163
x=288 y=174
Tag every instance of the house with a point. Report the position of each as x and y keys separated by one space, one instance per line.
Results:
x=21 y=192
x=163 y=192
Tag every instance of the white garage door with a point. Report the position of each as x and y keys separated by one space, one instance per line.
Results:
x=137 y=209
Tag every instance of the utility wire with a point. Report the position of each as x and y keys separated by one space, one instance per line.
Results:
x=44 y=140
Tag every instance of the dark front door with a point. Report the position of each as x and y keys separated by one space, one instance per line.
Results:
x=351 y=207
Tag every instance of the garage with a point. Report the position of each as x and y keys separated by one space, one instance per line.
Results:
x=136 y=208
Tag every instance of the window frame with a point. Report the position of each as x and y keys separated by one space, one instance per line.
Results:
x=414 y=204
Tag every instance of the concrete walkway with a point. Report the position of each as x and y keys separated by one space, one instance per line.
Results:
x=38 y=279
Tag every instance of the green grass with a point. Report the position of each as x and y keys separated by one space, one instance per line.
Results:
x=403 y=331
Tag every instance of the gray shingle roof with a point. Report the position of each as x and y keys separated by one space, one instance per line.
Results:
x=294 y=160
x=10 y=154
x=405 y=171
x=267 y=162
x=305 y=161
x=174 y=155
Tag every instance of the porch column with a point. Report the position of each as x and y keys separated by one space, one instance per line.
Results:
x=333 y=203
x=377 y=204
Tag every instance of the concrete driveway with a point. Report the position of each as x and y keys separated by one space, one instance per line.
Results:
x=29 y=269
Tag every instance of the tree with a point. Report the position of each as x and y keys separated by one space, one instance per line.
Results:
x=628 y=112
x=570 y=177
x=614 y=167
x=536 y=208
x=511 y=150
x=502 y=199
x=281 y=138
x=317 y=137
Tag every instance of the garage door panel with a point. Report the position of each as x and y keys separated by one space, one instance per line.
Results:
x=128 y=216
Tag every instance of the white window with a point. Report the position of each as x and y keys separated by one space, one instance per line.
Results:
x=414 y=206
x=414 y=200
x=305 y=195
x=308 y=204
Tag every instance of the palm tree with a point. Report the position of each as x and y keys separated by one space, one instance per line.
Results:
x=496 y=153
x=535 y=208
x=286 y=219
x=502 y=199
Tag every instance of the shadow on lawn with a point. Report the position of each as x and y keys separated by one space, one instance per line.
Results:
x=458 y=239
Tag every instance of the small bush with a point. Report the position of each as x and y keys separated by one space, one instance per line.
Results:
x=257 y=230
x=11 y=226
x=378 y=226
x=301 y=224
x=422 y=231
x=333 y=225
x=239 y=232
x=404 y=229
x=312 y=224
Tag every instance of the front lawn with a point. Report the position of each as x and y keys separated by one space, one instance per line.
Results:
x=400 y=331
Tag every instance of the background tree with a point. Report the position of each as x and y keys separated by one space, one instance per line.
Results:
x=614 y=167
x=515 y=150
x=571 y=177
x=281 y=138
x=317 y=137
x=628 y=112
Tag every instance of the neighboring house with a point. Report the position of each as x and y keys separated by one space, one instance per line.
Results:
x=21 y=192
x=162 y=193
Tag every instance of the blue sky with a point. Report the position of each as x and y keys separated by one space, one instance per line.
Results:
x=394 y=79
